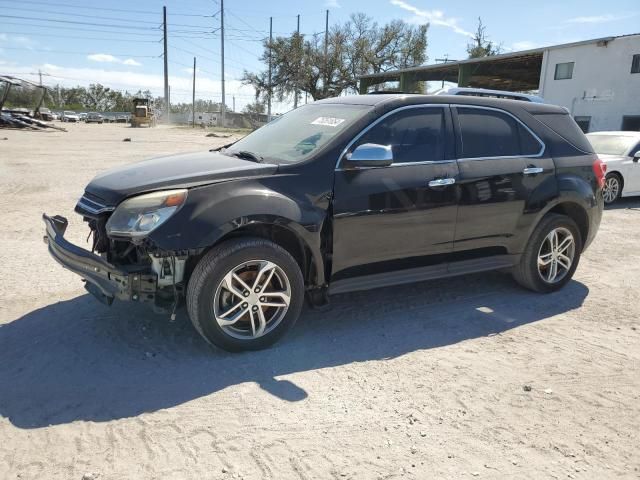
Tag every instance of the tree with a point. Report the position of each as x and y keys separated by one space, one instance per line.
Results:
x=97 y=97
x=480 y=45
x=355 y=48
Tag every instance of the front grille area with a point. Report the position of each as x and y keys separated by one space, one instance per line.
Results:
x=91 y=207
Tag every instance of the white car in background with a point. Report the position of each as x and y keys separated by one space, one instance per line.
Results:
x=621 y=153
x=70 y=116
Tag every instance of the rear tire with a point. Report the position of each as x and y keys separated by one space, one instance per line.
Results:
x=245 y=294
x=612 y=188
x=555 y=244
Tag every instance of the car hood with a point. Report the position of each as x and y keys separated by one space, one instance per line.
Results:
x=175 y=171
x=610 y=158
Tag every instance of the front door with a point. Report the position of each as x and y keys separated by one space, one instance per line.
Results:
x=390 y=218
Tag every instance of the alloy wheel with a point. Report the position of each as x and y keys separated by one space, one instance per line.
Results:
x=611 y=189
x=252 y=299
x=556 y=255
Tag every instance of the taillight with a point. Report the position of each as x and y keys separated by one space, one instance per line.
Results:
x=600 y=170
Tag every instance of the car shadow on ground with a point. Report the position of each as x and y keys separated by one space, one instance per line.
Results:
x=625 y=203
x=79 y=360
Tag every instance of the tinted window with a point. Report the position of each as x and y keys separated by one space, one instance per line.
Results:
x=635 y=64
x=564 y=71
x=567 y=128
x=487 y=133
x=415 y=135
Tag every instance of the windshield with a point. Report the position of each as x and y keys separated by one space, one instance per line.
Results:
x=297 y=135
x=69 y=112
x=612 y=144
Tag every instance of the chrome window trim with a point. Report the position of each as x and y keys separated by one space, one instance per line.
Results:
x=442 y=106
x=543 y=147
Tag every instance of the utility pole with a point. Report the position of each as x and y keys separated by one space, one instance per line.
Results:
x=40 y=73
x=193 y=97
x=326 y=37
x=296 y=93
x=234 y=103
x=166 y=65
x=222 y=107
x=326 y=54
x=269 y=92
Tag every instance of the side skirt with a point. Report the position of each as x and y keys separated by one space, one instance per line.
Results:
x=413 y=275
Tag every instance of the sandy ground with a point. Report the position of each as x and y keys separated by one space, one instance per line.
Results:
x=419 y=382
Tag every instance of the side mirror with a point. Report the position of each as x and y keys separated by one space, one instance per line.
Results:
x=371 y=155
x=636 y=157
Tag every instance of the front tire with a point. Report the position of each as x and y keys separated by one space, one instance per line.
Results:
x=551 y=256
x=245 y=294
x=612 y=188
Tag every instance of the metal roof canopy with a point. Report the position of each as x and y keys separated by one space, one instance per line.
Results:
x=516 y=71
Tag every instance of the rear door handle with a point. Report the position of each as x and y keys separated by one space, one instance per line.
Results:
x=532 y=170
x=442 y=182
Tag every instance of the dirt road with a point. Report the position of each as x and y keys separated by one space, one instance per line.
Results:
x=419 y=382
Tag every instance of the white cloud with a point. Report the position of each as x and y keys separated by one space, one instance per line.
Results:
x=434 y=17
x=103 y=58
x=107 y=58
x=609 y=17
x=18 y=40
x=523 y=45
x=332 y=4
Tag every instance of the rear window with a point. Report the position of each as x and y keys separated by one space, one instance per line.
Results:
x=611 y=144
x=567 y=128
x=489 y=133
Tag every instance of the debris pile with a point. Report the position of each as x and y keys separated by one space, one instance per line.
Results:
x=22 y=118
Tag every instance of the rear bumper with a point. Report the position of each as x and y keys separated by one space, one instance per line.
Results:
x=105 y=281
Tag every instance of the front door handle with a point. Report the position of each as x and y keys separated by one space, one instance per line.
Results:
x=532 y=170
x=442 y=182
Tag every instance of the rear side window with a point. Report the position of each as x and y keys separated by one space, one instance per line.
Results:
x=567 y=128
x=415 y=135
x=488 y=133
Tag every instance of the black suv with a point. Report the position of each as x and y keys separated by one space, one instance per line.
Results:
x=344 y=194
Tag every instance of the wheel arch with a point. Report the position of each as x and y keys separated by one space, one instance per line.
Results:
x=577 y=213
x=282 y=232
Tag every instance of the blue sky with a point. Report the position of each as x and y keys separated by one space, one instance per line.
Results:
x=79 y=42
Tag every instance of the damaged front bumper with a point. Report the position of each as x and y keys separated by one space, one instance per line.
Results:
x=102 y=279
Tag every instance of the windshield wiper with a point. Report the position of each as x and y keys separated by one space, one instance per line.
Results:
x=223 y=147
x=247 y=155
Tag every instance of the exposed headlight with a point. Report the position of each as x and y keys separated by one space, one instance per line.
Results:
x=138 y=216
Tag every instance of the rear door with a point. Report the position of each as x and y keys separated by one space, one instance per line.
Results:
x=502 y=166
x=402 y=215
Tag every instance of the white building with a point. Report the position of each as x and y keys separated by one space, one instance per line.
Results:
x=597 y=80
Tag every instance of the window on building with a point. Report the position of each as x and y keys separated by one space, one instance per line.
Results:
x=487 y=133
x=415 y=135
x=564 y=71
x=583 y=123
x=635 y=64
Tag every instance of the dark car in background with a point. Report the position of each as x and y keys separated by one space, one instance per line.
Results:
x=94 y=117
x=344 y=194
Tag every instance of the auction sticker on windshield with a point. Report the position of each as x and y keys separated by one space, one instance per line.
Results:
x=328 y=121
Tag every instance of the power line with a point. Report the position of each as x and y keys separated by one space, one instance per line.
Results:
x=83 y=37
x=79 y=53
x=144 y=12
x=74 y=22
x=79 y=29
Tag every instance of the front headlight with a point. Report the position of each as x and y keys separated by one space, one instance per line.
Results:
x=138 y=216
